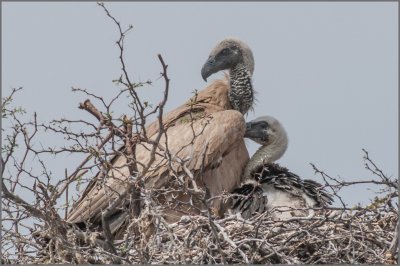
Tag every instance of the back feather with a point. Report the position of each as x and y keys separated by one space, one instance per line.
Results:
x=221 y=136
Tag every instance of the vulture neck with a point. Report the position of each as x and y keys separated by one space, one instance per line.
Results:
x=241 y=95
x=264 y=155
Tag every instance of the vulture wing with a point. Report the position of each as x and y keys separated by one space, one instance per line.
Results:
x=205 y=133
x=275 y=187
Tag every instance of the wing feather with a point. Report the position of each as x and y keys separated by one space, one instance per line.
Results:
x=218 y=133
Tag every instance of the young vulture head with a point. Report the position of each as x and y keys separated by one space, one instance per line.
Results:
x=270 y=186
x=268 y=132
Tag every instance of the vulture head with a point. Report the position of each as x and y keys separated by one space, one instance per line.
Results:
x=266 y=130
x=270 y=133
x=226 y=55
x=270 y=187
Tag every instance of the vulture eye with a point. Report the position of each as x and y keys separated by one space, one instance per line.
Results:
x=225 y=51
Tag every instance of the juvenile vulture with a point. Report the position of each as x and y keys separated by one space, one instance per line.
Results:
x=207 y=131
x=270 y=186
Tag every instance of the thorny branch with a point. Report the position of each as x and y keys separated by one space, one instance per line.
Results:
x=34 y=232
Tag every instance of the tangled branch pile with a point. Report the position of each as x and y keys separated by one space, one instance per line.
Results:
x=367 y=234
x=34 y=231
x=363 y=235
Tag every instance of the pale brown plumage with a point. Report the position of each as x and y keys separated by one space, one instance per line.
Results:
x=213 y=152
x=212 y=101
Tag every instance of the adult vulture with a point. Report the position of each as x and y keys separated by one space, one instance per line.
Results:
x=207 y=131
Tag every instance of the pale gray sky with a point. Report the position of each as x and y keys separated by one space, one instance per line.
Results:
x=327 y=71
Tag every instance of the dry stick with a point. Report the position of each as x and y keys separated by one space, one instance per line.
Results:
x=130 y=86
x=120 y=44
x=88 y=106
x=12 y=144
x=17 y=200
x=160 y=116
x=136 y=194
x=27 y=141
x=227 y=239
x=210 y=220
x=379 y=172
x=66 y=195
x=394 y=246
x=215 y=234
x=154 y=143
x=132 y=166
x=107 y=212
x=324 y=176
x=133 y=93
x=161 y=126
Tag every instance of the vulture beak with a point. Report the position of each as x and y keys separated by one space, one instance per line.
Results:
x=255 y=130
x=208 y=68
